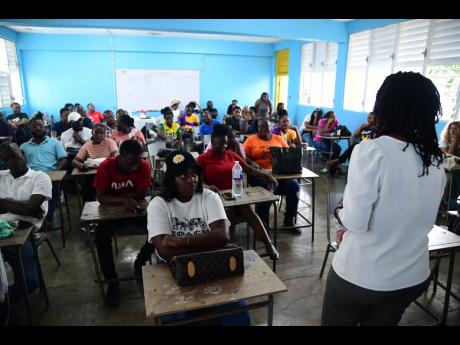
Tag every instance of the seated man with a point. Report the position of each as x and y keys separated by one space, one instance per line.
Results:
x=23 y=197
x=121 y=180
x=234 y=121
x=5 y=129
x=74 y=138
x=43 y=153
x=20 y=123
x=61 y=126
x=208 y=124
x=110 y=123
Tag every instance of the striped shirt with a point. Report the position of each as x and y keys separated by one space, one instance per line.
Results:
x=102 y=150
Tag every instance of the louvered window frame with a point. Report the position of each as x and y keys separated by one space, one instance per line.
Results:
x=428 y=30
x=317 y=62
x=7 y=93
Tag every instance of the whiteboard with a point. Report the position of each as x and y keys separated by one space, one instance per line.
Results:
x=150 y=89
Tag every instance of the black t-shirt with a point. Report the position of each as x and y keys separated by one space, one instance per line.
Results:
x=231 y=121
x=367 y=133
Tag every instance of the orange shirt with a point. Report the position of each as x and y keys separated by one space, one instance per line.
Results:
x=258 y=150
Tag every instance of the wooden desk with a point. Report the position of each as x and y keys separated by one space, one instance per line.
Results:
x=164 y=297
x=18 y=239
x=57 y=176
x=253 y=196
x=7 y=139
x=77 y=173
x=443 y=243
x=335 y=138
x=309 y=176
x=94 y=212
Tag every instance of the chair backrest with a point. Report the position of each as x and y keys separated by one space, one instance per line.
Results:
x=206 y=140
x=154 y=148
x=332 y=202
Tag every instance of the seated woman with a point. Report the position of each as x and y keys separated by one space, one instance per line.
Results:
x=363 y=132
x=275 y=117
x=98 y=147
x=287 y=132
x=217 y=165
x=127 y=131
x=327 y=125
x=169 y=130
x=311 y=126
x=257 y=148
x=186 y=218
x=450 y=143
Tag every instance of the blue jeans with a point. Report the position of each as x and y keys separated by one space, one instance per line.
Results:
x=307 y=138
x=16 y=291
x=56 y=194
x=325 y=145
x=240 y=319
x=289 y=188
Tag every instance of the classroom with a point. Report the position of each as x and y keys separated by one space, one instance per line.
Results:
x=140 y=160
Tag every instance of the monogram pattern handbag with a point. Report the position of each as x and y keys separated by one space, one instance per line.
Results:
x=207 y=266
x=286 y=160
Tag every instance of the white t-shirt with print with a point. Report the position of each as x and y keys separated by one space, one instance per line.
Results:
x=182 y=219
x=21 y=188
x=68 y=141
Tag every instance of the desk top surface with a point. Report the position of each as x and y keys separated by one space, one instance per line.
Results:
x=305 y=174
x=251 y=195
x=440 y=238
x=76 y=172
x=93 y=211
x=18 y=239
x=6 y=138
x=163 y=296
x=56 y=175
x=335 y=137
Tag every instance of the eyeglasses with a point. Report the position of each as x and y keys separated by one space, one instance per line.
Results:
x=185 y=177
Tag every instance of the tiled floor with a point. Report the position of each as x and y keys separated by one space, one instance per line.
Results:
x=75 y=298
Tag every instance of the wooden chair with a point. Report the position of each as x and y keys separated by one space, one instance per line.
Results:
x=332 y=246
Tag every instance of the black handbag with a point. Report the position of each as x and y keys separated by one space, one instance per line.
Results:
x=286 y=160
x=207 y=266
x=342 y=131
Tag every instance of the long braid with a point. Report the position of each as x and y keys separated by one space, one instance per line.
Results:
x=409 y=104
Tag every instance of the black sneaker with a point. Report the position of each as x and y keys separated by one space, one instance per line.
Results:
x=113 y=295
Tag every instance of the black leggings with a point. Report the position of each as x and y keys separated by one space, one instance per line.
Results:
x=346 y=304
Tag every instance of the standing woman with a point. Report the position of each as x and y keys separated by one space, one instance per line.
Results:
x=127 y=131
x=395 y=184
x=263 y=108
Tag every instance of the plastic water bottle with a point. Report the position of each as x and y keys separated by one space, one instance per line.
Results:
x=237 y=180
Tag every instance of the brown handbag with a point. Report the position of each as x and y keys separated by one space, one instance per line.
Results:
x=207 y=266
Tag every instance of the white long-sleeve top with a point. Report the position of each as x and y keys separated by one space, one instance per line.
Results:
x=388 y=211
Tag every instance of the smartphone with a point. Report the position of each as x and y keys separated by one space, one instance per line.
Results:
x=228 y=196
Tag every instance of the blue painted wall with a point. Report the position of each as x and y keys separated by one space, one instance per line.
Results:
x=76 y=68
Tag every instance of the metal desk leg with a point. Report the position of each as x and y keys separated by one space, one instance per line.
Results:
x=448 y=288
x=96 y=264
x=21 y=271
x=157 y=321
x=40 y=272
x=61 y=215
x=77 y=183
x=67 y=208
x=275 y=228
x=312 y=209
x=270 y=310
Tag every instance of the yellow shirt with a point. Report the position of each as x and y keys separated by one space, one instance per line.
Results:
x=289 y=136
x=189 y=120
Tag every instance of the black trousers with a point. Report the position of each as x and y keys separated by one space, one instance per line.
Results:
x=104 y=234
x=4 y=311
x=347 y=304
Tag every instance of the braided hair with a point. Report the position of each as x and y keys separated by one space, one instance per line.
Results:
x=409 y=104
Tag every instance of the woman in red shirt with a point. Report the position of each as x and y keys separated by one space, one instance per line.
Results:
x=217 y=165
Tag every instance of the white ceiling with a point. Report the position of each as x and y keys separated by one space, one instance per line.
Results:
x=89 y=31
